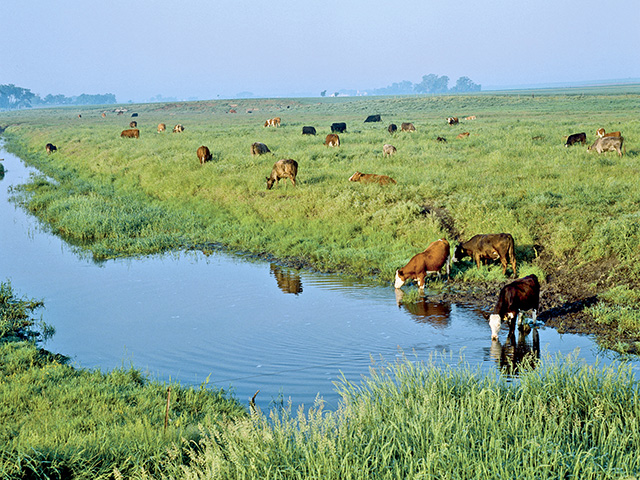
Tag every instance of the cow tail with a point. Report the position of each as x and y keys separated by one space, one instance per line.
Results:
x=448 y=266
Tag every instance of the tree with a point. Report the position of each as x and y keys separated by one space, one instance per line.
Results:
x=433 y=84
x=15 y=97
x=323 y=93
x=464 y=84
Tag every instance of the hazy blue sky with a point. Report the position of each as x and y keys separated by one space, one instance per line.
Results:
x=137 y=49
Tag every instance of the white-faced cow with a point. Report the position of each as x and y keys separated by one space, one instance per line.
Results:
x=424 y=263
x=285 y=168
x=608 y=144
x=161 y=127
x=492 y=246
x=519 y=295
x=602 y=133
x=452 y=120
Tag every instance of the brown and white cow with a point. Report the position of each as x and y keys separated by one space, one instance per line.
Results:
x=435 y=256
x=601 y=133
x=178 y=129
x=452 y=120
x=285 y=168
x=133 y=124
x=388 y=149
x=131 y=133
x=519 y=295
x=371 y=178
x=258 y=148
x=407 y=127
x=161 y=127
x=204 y=155
x=608 y=144
x=272 y=122
x=492 y=246
x=332 y=140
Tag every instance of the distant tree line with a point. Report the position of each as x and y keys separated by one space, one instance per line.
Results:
x=12 y=97
x=430 y=84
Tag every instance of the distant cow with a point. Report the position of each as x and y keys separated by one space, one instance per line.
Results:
x=441 y=139
x=407 y=127
x=332 y=140
x=50 y=147
x=339 y=127
x=491 y=246
x=178 y=129
x=393 y=128
x=134 y=114
x=452 y=120
x=608 y=144
x=576 y=138
x=522 y=294
x=272 y=122
x=601 y=133
x=204 y=155
x=463 y=135
x=371 y=178
x=161 y=127
x=104 y=115
x=471 y=117
x=258 y=148
x=133 y=124
x=388 y=149
x=373 y=118
x=132 y=133
x=308 y=130
x=285 y=168
x=422 y=264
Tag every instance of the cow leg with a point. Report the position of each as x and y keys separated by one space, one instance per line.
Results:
x=477 y=258
x=293 y=180
x=512 y=322
x=534 y=316
x=448 y=268
x=503 y=261
x=421 y=282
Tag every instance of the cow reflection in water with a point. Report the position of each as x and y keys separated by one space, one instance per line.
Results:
x=288 y=281
x=436 y=314
x=514 y=356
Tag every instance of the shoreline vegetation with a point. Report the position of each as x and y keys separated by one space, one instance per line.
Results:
x=574 y=216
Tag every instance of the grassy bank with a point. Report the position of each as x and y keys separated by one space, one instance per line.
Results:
x=565 y=207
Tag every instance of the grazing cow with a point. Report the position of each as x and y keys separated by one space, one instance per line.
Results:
x=288 y=282
x=373 y=118
x=332 y=140
x=133 y=124
x=79 y=116
x=452 y=120
x=407 y=127
x=471 y=117
x=178 y=129
x=521 y=294
x=388 y=149
x=285 y=168
x=161 y=127
x=422 y=264
x=441 y=139
x=371 y=178
x=104 y=115
x=576 y=138
x=601 y=133
x=50 y=147
x=272 y=122
x=608 y=144
x=132 y=133
x=463 y=135
x=393 y=128
x=308 y=130
x=491 y=246
x=339 y=127
x=258 y=148
x=233 y=111
x=204 y=155
x=134 y=114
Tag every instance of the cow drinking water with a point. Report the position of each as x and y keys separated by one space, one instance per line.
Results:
x=422 y=264
x=522 y=294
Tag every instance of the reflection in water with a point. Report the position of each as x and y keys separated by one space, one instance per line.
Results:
x=288 y=282
x=435 y=313
x=512 y=356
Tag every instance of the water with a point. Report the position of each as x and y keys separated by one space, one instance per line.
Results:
x=233 y=322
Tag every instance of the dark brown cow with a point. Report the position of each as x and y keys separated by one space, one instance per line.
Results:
x=132 y=133
x=133 y=124
x=332 y=140
x=258 y=148
x=424 y=263
x=50 y=147
x=576 y=138
x=393 y=128
x=161 y=127
x=204 y=155
x=521 y=294
x=490 y=246
x=285 y=168
x=608 y=144
x=371 y=178
x=407 y=127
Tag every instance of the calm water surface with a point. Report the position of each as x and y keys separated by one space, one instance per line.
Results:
x=236 y=323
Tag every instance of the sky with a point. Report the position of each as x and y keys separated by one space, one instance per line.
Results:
x=188 y=49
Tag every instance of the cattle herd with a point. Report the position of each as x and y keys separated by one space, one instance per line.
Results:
x=520 y=295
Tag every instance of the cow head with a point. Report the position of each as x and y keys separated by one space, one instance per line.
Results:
x=355 y=177
x=458 y=253
x=600 y=132
x=270 y=182
x=494 y=323
x=399 y=279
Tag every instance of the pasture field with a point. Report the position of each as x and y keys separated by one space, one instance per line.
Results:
x=574 y=214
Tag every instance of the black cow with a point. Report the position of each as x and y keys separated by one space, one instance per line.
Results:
x=339 y=127
x=492 y=246
x=393 y=128
x=308 y=130
x=576 y=138
x=50 y=147
x=519 y=295
x=373 y=118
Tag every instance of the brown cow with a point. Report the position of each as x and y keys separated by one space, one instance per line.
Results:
x=272 y=122
x=608 y=144
x=490 y=246
x=407 y=127
x=258 y=148
x=371 y=178
x=50 y=147
x=522 y=294
x=133 y=124
x=104 y=115
x=463 y=135
x=601 y=133
x=452 y=120
x=285 y=168
x=178 y=129
x=471 y=117
x=132 y=133
x=388 y=149
x=422 y=264
x=161 y=127
x=204 y=155
x=332 y=140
